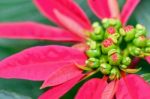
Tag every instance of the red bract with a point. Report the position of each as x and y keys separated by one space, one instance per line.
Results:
x=133 y=87
x=92 y=89
x=129 y=87
x=148 y=59
x=56 y=65
x=39 y=63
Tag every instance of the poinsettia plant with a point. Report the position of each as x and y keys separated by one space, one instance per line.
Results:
x=109 y=47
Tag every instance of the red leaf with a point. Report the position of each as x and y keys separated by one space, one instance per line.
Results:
x=114 y=8
x=67 y=7
x=127 y=10
x=100 y=8
x=110 y=90
x=133 y=87
x=33 y=30
x=70 y=24
x=92 y=89
x=58 y=91
x=147 y=59
x=62 y=75
x=38 y=63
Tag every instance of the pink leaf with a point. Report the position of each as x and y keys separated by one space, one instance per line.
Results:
x=100 y=8
x=70 y=24
x=62 y=75
x=38 y=63
x=33 y=30
x=58 y=91
x=133 y=87
x=110 y=90
x=147 y=59
x=127 y=10
x=114 y=8
x=67 y=7
x=92 y=89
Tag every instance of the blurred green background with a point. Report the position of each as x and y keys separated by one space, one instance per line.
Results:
x=24 y=10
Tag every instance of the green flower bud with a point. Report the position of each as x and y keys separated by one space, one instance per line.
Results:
x=114 y=39
x=105 y=22
x=98 y=30
x=107 y=45
x=98 y=34
x=140 y=27
x=115 y=22
x=93 y=63
x=97 y=37
x=95 y=24
x=105 y=68
x=118 y=24
x=123 y=66
x=93 y=52
x=111 y=22
x=140 y=30
x=115 y=59
x=117 y=35
x=148 y=42
x=92 y=44
x=126 y=52
x=122 y=32
x=112 y=51
x=114 y=73
x=126 y=61
x=103 y=59
x=140 y=41
x=129 y=33
x=147 y=49
x=135 y=51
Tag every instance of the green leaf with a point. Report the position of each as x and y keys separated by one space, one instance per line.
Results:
x=11 y=95
x=22 y=87
x=24 y=10
x=142 y=14
x=145 y=67
x=146 y=77
x=19 y=10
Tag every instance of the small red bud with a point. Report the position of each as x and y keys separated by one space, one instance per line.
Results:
x=93 y=63
x=128 y=28
x=107 y=45
x=129 y=33
x=111 y=30
x=107 y=42
x=115 y=59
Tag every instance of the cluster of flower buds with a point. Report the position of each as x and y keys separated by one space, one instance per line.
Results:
x=112 y=47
